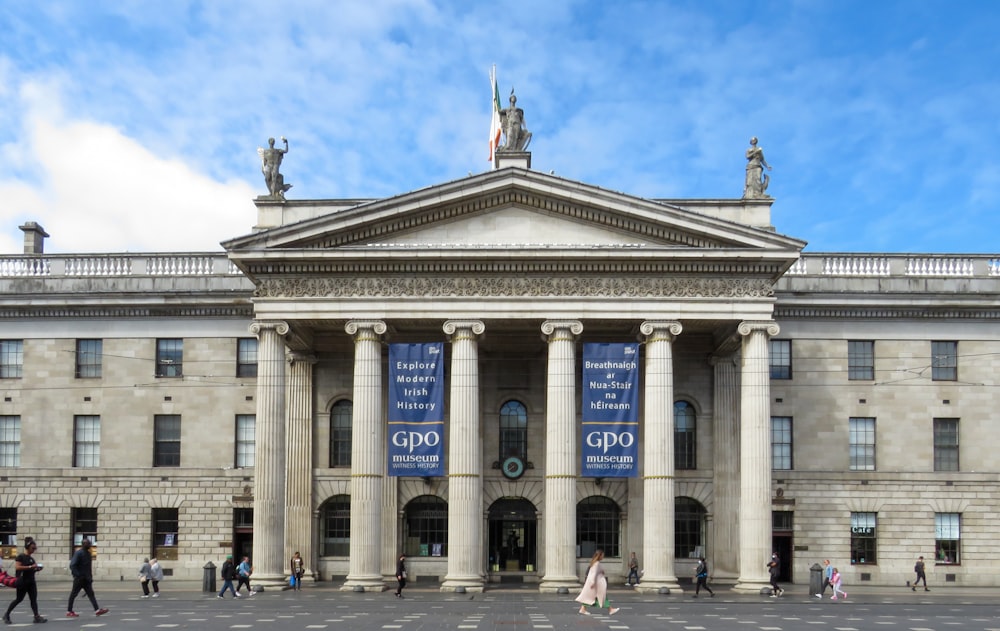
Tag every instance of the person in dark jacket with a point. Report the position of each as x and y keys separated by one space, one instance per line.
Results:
x=83 y=578
x=25 y=570
x=773 y=569
x=701 y=573
x=400 y=575
x=228 y=574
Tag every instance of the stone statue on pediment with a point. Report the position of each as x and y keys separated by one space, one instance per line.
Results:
x=757 y=180
x=516 y=135
x=270 y=165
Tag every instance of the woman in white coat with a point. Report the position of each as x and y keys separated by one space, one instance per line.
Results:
x=595 y=587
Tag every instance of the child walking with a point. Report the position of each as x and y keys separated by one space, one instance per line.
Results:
x=836 y=580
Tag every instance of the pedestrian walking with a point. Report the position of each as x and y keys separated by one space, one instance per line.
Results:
x=228 y=574
x=155 y=576
x=83 y=578
x=144 y=576
x=773 y=569
x=827 y=578
x=633 y=570
x=400 y=575
x=701 y=574
x=298 y=570
x=595 y=587
x=921 y=575
x=25 y=569
x=836 y=581
x=243 y=572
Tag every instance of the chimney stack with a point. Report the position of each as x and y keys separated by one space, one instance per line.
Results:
x=34 y=238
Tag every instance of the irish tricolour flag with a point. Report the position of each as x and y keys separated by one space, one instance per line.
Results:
x=495 y=121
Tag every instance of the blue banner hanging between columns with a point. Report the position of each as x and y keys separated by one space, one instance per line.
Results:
x=610 y=411
x=416 y=409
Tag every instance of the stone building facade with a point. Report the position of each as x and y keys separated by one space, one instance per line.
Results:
x=191 y=405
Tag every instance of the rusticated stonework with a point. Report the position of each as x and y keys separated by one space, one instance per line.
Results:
x=398 y=287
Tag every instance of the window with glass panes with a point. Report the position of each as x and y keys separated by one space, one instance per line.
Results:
x=169 y=358
x=689 y=528
x=341 y=427
x=780 y=358
x=947 y=537
x=864 y=537
x=946 y=444
x=513 y=430
x=8 y=528
x=165 y=533
x=245 y=445
x=167 y=440
x=781 y=443
x=246 y=357
x=862 y=444
x=598 y=525
x=10 y=441
x=84 y=522
x=11 y=359
x=944 y=361
x=89 y=356
x=861 y=360
x=426 y=527
x=86 y=440
x=685 y=436
x=336 y=520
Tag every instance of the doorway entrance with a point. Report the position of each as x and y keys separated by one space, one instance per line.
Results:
x=512 y=536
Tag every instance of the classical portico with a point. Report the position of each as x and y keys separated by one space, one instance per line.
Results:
x=513 y=270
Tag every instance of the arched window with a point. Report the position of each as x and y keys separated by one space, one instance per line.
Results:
x=685 y=445
x=598 y=525
x=689 y=528
x=513 y=431
x=425 y=522
x=341 y=418
x=335 y=516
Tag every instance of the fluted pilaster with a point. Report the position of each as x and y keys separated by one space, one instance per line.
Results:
x=726 y=478
x=755 y=456
x=560 y=456
x=658 y=457
x=367 y=458
x=465 y=461
x=269 y=457
x=298 y=461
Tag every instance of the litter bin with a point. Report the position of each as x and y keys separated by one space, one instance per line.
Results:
x=816 y=579
x=208 y=578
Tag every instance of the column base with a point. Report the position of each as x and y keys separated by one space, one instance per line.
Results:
x=753 y=587
x=565 y=585
x=463 y=585
x=666 y=587
x=363 y=585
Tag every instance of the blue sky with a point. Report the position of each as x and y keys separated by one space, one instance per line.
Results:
x=134 y=125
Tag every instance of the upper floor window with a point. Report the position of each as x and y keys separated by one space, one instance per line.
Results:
x=513 y=430
x=167 y=440
x=341 y=424
x=10 y=441
x=246 y=357
x=685 y=436
x=781 y=443
x=780 y=353
x=245 y=444
x=864 y=537
x=947 y=537
x=862 y=444
x=944 y=361
x=11 y=359
x=946 y=444
x=169 y=357
x=89 y=355
x=86 y=441
x=861 y=360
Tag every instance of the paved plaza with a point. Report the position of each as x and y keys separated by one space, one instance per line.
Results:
x=323 y=606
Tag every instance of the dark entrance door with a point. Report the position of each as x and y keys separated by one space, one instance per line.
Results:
x=512 y=536
x=242 y=533
x=782 y=542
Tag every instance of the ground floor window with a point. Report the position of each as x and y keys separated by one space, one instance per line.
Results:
x=947 y=536
x=689 y=528
x=8 y=533
x=864 y=537
x=598 y=527
x=165 y=535
x=336 y=520
x=84 y=522
x=426 y=527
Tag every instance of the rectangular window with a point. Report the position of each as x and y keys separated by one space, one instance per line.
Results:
x=948 y=536
x=944 y=361
x=89 y=355
x=167 y=440
x=781 y=443
x=86 y=441
x=170 y=358
x=10 y=441
x=861 y=360
x=780 y=359
x=685 y=437
x=165 y=535
x=11 y=359
x=946 y=444
x=862 y=444
x=84 y=527
x=245 y=446
x=864 y=538
x=8 y=532
x=246 y=357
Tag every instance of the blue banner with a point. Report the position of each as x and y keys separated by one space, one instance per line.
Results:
x=610 y=411
x=416 y=409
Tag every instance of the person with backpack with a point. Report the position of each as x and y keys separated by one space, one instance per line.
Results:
x=228 y=574
x=701 y=574
x=243 y=572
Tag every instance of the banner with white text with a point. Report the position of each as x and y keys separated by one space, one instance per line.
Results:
x=416 y=409
x=610 y=411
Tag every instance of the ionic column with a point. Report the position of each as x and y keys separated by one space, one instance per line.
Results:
x=658 y=458
x=755 y=456
x=269 y=456
x=298 y=460
x=367 y=458
x=465 y=461
x=560 y=456
x=726 y=463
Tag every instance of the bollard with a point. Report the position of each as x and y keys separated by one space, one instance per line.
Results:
x=208 y=578
x=816 y=579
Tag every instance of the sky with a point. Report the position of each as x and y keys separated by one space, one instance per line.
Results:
x=133 y=126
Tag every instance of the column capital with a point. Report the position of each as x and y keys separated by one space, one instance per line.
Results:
x=377 y=326
x=549 y=327
x=752 y=326
x=300 y=357
x=660 y=330
x=278 y=326
x=451 y=327
x=723 y=360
